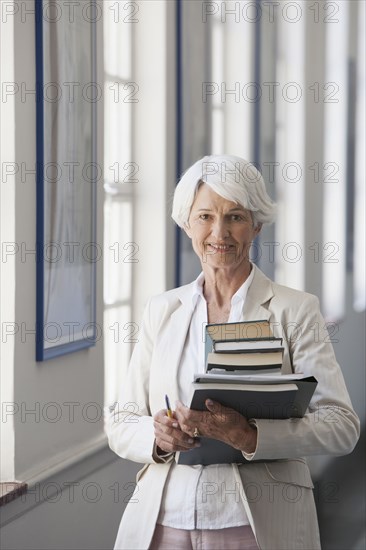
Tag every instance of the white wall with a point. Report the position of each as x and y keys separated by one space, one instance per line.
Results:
x=78 y=509
x=41 y=443
x=7 y=268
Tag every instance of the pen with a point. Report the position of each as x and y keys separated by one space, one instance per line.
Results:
x=168 y=409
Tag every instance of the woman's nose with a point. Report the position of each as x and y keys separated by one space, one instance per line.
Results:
x=220 y=229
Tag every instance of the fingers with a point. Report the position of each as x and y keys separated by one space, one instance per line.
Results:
x=175 y=442
x=223 y=414
x=217 y=422
x=189 y=419
x=172 y=447
x=169 y=437
x=162 y=418
x=213 y=406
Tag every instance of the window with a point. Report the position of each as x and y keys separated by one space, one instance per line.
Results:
x=359 y=262
x=119 y=170
x=217 y=71
x=290 y=152
x=335 y=165
x=231 y=92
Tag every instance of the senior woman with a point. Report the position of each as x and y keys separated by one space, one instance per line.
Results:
x=266 y=502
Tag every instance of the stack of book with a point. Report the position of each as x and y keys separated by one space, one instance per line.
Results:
x=246 y=347
x=243 y=372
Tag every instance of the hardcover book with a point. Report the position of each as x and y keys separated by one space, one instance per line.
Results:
x=260 y=396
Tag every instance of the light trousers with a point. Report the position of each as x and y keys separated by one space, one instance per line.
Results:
x=231 y=538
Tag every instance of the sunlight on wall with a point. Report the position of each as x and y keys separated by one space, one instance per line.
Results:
x=359 y=261
x=290 y=154
x=335 y=165
x=118 y=185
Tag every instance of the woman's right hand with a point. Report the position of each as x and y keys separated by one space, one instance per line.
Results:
x=168 y=435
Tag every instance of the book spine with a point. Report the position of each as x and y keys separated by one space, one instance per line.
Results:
x=244 y=368
x=259 y=338
x=254 y=350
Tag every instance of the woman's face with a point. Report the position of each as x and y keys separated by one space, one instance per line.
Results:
x=221 y=230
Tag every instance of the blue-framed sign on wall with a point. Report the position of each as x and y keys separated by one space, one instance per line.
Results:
x=67 y=174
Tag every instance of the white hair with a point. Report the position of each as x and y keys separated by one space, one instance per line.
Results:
x=233 y=178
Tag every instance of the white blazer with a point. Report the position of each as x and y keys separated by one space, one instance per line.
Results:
x=277 y=494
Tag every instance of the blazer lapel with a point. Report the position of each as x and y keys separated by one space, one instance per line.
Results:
x=172 y=341
x=259 y=294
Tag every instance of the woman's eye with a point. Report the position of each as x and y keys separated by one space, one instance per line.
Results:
x=204 y=217
x=236 y=217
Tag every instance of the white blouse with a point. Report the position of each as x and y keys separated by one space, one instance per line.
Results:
x=202 y=497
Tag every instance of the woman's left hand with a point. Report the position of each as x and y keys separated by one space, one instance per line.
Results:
x=218 y=422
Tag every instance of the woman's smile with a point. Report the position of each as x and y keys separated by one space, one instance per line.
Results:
x=220 y=248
